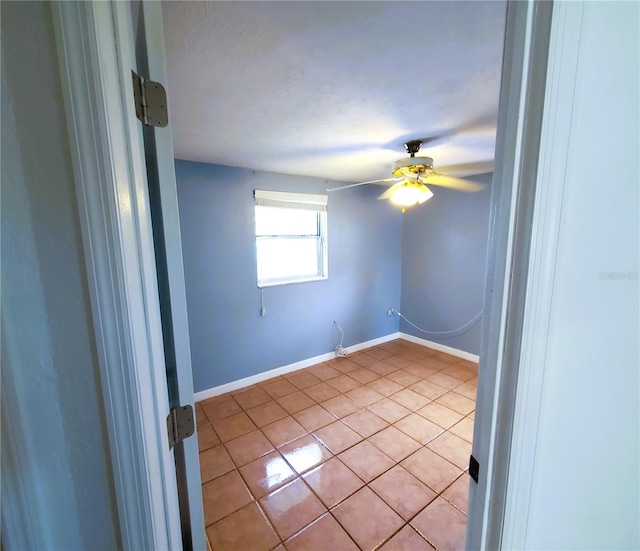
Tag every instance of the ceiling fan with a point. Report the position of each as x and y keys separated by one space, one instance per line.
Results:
x=411 y=175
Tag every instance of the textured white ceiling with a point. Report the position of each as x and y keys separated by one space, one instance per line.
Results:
x=333 y=89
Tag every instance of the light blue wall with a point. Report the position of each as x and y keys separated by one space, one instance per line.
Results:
x=57 y=489
x=229 y=340
x=444 y=246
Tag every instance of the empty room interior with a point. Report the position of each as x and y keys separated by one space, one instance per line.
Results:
x=334 y=328
x=330 y=259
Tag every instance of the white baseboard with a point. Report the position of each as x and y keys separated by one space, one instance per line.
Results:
x=259 y=377
x=441 y=347
x=374 y=342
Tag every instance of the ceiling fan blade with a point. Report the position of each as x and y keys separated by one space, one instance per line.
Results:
x=451 y=182
x=467 y=169
x=363 y=183
x=387 y=194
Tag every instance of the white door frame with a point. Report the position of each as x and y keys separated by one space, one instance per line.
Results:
x=535 y=160
x=511 y=214
x=110 y=179
x=552 y=158
x=108 y=162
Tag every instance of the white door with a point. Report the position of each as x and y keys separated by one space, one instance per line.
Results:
x=163 y=199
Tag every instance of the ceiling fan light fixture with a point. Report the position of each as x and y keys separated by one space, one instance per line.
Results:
x=409 y=194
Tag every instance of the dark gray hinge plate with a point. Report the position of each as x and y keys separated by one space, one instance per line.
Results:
x=474 y=468
x=180 y=424
x=150 y=101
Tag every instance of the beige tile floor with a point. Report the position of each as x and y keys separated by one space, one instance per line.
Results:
x=364 y=452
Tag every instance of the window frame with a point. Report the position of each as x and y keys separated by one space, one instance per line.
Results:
x=295 y=201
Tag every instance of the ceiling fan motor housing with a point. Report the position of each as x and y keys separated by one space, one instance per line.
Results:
x=416 y=166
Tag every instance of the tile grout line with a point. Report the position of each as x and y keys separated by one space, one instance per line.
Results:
x=300 y=475
x=390 y=424
x=361 y=408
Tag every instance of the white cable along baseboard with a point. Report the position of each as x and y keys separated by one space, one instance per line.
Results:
x=259 y=377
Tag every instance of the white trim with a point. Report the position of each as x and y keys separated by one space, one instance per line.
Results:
x=372 y=342
x=268 y=284
x=259 y=377
x=554 y=140
x=441 y=348
x=517 y=143
x=92 y=40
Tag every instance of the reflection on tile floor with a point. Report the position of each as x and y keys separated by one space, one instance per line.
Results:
x=364 y=452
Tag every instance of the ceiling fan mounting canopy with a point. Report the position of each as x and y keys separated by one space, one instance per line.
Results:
x=413 y=147
x=412 y=166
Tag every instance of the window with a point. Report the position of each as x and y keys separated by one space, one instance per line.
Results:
x=291 y=237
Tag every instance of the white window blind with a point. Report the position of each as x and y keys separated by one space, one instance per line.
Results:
x=284 y=199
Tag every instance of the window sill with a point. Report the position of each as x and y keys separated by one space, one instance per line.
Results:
x=291 y=282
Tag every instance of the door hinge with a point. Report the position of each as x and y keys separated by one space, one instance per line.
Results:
x=180 y=424
x=474 y=468
x=150 y=100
